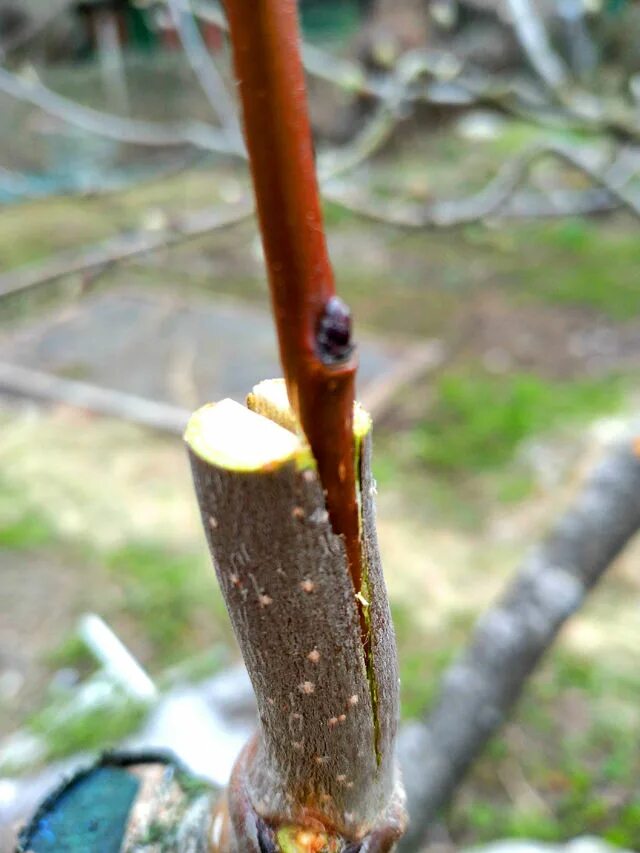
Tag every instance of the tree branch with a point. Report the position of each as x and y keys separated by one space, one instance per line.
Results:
x=313 y=326
x=480 y=689
x=493 y=199
x=110 y=126
x=533 y=40
x=83 y=395
x=452 y=82
x=205 y=70
x=122 y=248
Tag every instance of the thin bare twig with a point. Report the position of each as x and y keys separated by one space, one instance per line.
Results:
x=493 y=199
x=481 y=687
x=499 y=198
x=452 y=82
x=197 y=134
x=205 y=70
x=111 y=126
x=123 y=248
x=379 y=127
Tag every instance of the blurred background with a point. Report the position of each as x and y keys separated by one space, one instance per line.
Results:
x=479 y=165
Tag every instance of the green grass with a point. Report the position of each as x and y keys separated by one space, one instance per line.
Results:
x=163 y=590
x=423 y=657
x=582 y=783
x=72 y=652
x=588 y=264
x=457 y=454
x=478 y=420
x=26 y=531
x=68 y=731
x=418 y=680
x=22 y=525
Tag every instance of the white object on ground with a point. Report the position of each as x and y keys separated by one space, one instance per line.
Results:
x=205 y=726
x=116 y=659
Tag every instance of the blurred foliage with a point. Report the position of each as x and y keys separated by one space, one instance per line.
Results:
x=30 y=530
x=563 y=766
x=164 y=590
x=71 y=730
x=586 y=265
x=161 y=591
x=477 y=420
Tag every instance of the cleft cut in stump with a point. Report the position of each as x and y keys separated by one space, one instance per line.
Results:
x=323 y=759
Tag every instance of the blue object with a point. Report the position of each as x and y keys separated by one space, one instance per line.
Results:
x=89 y=816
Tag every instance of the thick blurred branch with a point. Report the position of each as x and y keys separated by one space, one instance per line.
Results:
x=482 y=686
x=50 y=388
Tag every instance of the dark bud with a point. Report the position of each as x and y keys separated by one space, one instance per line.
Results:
x=334 y=332
x=354 y=847
x=266 y=837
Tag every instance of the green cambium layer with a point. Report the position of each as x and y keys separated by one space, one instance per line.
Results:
x=262 y=437
x=294 y=839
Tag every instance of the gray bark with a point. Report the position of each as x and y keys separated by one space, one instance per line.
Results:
x=326 y=740
x=482 y=686
x=532 y=36
x=106 y=401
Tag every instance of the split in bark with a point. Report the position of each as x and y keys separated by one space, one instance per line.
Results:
x=323 y=760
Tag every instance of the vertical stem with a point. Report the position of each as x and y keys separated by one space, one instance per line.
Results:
x=313 y=325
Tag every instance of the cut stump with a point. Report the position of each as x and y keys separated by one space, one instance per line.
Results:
x=323 y=758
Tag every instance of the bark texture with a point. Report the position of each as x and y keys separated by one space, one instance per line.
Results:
x=483 y=685
x=328 y=713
